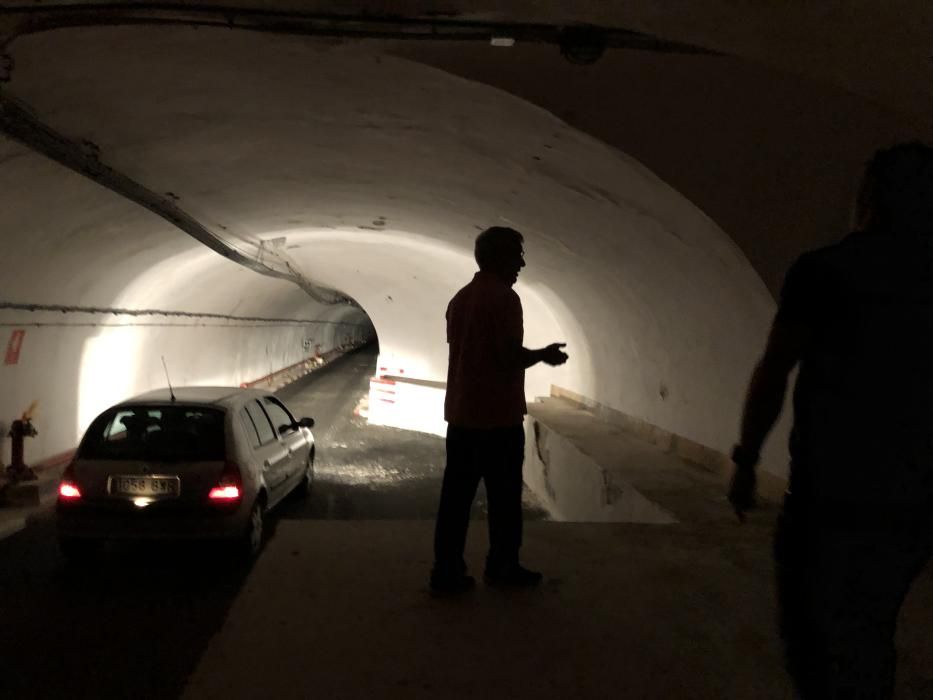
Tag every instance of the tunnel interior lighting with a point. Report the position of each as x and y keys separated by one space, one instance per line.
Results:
x=502 y=41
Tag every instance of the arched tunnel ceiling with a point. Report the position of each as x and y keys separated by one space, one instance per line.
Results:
x=879 y=50
x=767 y=137
x=378 y=172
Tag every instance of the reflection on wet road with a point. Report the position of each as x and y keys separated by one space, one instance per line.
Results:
x=363 y=471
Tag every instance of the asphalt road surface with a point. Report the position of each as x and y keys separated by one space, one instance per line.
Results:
x=136 y=622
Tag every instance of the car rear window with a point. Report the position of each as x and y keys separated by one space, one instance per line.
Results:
x=157 y=434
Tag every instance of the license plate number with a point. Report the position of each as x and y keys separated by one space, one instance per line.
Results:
x=156 y=486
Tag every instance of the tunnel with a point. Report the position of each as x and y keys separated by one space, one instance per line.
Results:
x=370 y=175
x=286 y=196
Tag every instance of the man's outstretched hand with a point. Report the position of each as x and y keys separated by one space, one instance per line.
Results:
x=553 y=355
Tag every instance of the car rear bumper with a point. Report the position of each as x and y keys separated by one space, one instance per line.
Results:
x=128 y=523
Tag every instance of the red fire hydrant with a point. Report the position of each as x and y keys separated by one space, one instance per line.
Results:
x=21 y=429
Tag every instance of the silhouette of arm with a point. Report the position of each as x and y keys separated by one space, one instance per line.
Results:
x=802 y=308
x=529 y=358
x=802 y=297
x=510 y=331
x=768 y=385
x=763 y=404
x=552 y=355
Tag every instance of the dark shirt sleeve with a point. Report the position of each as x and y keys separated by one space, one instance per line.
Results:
x=803 y=296
x=508 y=330
x=447 y=321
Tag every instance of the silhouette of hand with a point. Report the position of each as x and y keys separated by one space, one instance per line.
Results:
x=553 y=355
x=742 y=490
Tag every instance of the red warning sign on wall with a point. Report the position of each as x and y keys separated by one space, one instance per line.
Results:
x=13 y=347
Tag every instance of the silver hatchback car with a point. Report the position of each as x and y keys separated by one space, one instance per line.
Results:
x=196 y=463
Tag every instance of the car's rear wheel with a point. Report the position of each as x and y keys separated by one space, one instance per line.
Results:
x=251 y=541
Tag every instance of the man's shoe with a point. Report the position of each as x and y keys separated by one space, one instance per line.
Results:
x=516 y=576
x=451 y=585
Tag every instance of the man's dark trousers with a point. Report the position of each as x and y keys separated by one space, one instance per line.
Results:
x=494 y=455
x=842 y=576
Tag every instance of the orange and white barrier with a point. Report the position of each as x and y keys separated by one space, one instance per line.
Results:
x=400 y=401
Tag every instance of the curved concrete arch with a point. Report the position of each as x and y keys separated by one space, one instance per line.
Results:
x=379 y=172
x=404 y=281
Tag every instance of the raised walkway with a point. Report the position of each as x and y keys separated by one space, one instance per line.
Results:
x=586 y=469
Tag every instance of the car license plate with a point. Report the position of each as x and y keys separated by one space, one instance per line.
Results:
x=152 y=486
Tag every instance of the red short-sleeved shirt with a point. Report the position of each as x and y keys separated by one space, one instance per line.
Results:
x=485 y=375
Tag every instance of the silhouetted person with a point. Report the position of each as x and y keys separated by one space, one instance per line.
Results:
x=485 y=410
x=856 y=526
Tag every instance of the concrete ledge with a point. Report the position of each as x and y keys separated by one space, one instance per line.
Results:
x=770 y=486
x=39 y=491
x=573 y=487
x=33 y=493
x=584 y=469
x=285 y=376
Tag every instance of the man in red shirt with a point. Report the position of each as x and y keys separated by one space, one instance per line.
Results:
x=485 y=411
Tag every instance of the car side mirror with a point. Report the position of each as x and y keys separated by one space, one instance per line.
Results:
x=306 y=423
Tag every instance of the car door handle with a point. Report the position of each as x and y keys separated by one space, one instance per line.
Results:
x=266 y=464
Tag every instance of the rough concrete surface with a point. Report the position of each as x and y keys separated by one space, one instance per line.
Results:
x=351 y=618
x=585 y=469
x=340 y=610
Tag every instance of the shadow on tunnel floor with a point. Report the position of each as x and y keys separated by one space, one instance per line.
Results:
x=130 y=623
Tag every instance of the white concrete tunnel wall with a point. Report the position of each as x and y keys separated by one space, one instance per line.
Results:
x=380 y=172
x=122 y=362
x=131 y=259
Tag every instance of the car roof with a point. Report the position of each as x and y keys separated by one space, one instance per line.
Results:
x=203 y=395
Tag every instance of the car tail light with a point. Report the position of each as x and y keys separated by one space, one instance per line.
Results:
x=68 y=489
x=229 y=487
